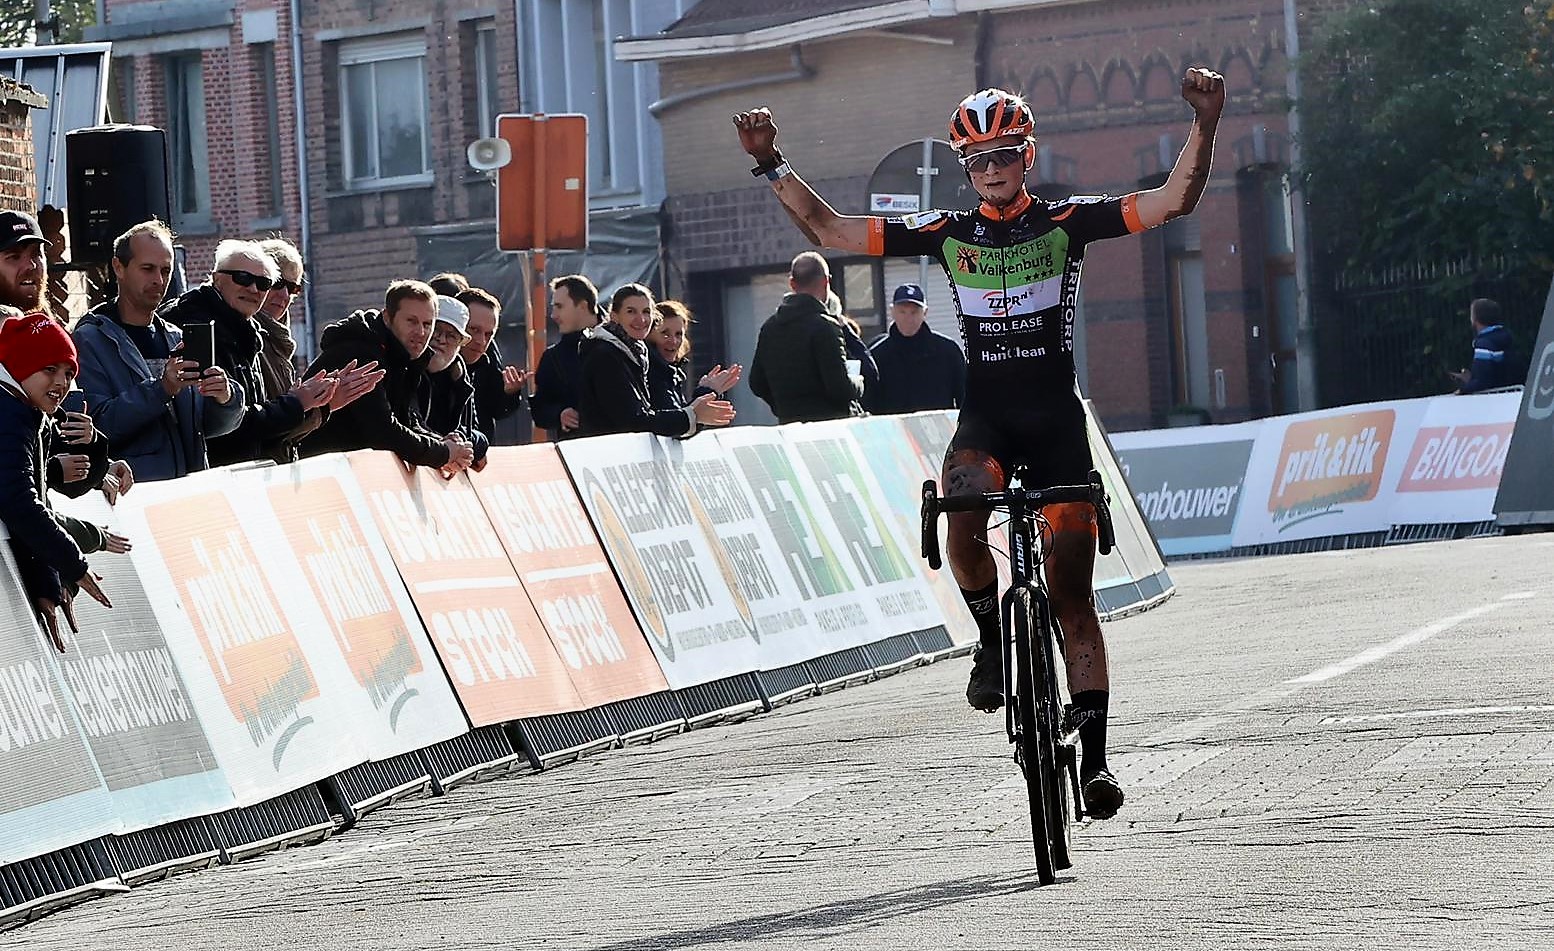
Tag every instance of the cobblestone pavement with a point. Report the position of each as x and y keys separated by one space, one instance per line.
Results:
x=1349 y=750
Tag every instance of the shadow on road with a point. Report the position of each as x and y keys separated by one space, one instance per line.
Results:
x=838 y=916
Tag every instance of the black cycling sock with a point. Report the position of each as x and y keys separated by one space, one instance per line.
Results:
x=1090 y=716
x=984 y=610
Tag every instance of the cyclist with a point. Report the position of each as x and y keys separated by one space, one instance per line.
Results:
x=1013 y=265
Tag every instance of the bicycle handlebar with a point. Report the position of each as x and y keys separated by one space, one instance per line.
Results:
x=1031 y=500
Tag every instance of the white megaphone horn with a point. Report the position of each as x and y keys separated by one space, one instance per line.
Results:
x=488 y=155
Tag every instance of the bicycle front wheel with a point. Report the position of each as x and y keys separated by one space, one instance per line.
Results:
x=1029 y=687
x=1056 y=756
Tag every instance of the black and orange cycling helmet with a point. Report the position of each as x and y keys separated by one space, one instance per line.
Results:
x=988 y=115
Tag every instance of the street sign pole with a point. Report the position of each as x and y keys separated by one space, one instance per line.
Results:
x=926 y=171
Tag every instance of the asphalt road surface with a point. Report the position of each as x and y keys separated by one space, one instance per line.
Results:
x=1350 y=750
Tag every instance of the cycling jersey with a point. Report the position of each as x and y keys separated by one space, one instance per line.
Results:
x=1015 y=277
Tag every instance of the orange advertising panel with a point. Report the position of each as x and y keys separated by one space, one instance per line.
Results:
x=1331 y=461
x=545 y=529
x=252 y=651
x=491 y=641
x=1452 y=458
x=323 y=532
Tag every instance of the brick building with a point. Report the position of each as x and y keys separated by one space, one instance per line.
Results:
x=391 y=94
x=18 y=180
x=1200 y=313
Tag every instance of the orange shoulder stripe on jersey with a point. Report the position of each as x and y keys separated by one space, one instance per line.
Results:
x=1065 y=214
x=1130 y=213
x=876 y=237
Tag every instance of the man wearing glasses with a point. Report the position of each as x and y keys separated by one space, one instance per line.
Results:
x=156 y=407
x=242 y=277
x=1013 y=265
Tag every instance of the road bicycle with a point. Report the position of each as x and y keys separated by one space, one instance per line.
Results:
x=1035 y=717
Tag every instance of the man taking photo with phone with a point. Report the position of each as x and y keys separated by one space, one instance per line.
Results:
x=156 y=407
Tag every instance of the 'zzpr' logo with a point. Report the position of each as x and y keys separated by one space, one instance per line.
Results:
x=1000 y=304
x=968 y=260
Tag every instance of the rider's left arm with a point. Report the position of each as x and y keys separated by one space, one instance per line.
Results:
x=1204 y=90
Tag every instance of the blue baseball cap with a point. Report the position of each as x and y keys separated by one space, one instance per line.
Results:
x=909 y=293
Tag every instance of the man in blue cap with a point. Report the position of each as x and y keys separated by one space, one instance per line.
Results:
x=919 y=369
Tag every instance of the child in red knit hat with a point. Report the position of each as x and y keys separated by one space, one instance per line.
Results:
x=37 y=367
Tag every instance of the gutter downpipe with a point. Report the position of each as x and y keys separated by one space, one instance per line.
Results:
x=800 y=70
x=305 y=226
x=1305 y=332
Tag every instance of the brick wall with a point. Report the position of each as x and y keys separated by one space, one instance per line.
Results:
x=18 y=177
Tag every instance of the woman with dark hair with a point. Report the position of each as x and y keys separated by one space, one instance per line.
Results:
x=669 y=352
x=614 y=395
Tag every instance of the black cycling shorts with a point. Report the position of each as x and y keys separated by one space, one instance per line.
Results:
x=1054 y=447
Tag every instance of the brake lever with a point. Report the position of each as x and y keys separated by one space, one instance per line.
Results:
x=931 y=524
x=1106 y=536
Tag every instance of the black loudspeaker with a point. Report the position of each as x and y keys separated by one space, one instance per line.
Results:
x=117 y=177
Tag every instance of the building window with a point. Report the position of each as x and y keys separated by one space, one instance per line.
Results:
x=264 y=71
x=127 y=94
x=488 y=95
x=186 y=134
x=383 y=111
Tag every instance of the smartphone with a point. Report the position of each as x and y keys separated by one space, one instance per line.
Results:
x=199 y=344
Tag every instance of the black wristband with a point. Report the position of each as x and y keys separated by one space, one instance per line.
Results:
x=768 y=165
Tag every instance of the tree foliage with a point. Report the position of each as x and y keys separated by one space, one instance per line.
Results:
x=16 y=20
x=1429 y=132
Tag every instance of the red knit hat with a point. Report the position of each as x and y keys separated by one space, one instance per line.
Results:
x=28 y=344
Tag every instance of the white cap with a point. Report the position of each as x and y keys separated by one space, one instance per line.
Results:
x=454 y=314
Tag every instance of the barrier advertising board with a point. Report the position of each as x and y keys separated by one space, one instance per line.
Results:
x=1134 y=571
x=1189 y=483
x=492 y=644
x=131 y=700
x=1456 y=459
x=359 y=622
x=269 y=714
x=700 y=627
x=544 y=528
x=52 y=796
x=1327 y=473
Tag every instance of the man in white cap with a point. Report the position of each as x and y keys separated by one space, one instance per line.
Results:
x=448 y=399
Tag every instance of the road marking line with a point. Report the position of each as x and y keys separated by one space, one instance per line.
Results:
x=1520 y=596
x=1371 y=655
x=1197 y=727
x=466 y=584
x=1447 y=712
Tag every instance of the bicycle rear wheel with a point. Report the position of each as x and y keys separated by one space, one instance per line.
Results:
x=1029 y=684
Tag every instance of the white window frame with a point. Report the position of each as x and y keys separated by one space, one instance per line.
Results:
x=369 y=52
x=486 y=97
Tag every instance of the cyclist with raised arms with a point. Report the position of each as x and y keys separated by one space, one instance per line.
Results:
x=1014 y=265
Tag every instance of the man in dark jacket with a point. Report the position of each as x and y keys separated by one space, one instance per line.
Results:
x=574 y=306
x=242 y=276
x=499 y=388
x=800 y=362
x=389 y=417
x=448 y=400
x=918 y=368
x=1493 y=364
x=156 y=408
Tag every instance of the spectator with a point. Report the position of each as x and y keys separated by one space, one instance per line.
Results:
x=239 y=282
x=448 y=284
x=1493 y=365
x=38 y=364
x=388 y=417
x=669 y=351
x=156 y=408
x=23 y=270
x=448 y=405
x=800 y=363
x=278 y=354
x=574 y=306
x=499 y=389
x=614 y=395
x=918 y=369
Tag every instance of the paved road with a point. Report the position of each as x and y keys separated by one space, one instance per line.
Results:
x=1349 y=750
